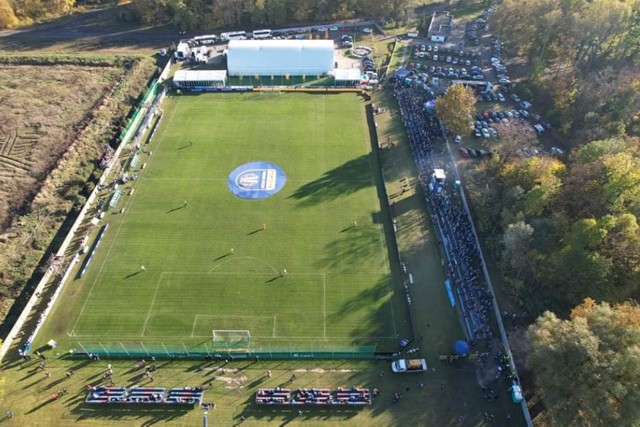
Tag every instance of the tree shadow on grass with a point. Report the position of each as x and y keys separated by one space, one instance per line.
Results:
x=352 y=247
x=346 y=179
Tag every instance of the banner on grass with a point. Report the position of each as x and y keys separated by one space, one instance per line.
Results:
x=256 y=180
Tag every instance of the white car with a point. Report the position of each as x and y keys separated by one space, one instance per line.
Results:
x=367 y=30
x=322 y=29
x=334 y=28
x=485 y=133
x=500 y=97
x=458 y=139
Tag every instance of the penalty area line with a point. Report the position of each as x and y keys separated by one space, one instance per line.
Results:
x=153 y=301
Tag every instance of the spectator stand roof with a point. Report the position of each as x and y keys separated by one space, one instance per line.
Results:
x=346 y=74
x=200 y=76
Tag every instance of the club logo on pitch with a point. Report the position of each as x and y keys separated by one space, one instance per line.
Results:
x=256 y=180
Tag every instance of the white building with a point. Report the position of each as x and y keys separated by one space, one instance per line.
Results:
x=348 y=77
x=280 y=57
x=199 y=79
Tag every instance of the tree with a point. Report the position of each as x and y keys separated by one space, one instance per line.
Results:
x=455 y=107
x=517 y=245
x=7 y=16
x=587 y=367
x=514 y=136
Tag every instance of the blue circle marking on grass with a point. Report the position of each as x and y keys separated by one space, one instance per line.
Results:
x=256 y=180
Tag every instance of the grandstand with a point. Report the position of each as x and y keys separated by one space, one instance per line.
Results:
x=199 y=79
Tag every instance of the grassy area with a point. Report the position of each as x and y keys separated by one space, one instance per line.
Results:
x=450 y=390
x=338 y=290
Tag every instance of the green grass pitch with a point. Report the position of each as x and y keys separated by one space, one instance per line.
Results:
x=338 y=290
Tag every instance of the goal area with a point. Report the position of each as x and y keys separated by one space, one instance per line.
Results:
x=231 y=338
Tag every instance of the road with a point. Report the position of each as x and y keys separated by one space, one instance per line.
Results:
x=99 y=30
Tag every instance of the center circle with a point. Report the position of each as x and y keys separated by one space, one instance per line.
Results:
x=256 y=180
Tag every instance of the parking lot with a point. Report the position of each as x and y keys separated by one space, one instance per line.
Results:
x=471 y=55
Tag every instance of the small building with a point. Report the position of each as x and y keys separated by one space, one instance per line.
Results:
x=347 y=77
x=440 y=26
x=199 y=79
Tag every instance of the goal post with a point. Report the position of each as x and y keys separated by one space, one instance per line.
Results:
x=231 y=337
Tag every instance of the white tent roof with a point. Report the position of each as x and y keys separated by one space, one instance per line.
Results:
x=199 y=75
x=439 y=174
x=346 y=74
x=280 y=57
x=281 y=44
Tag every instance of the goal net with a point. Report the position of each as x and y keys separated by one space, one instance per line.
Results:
x=231 y=337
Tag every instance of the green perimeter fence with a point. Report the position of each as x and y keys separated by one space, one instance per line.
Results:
x=205 y=351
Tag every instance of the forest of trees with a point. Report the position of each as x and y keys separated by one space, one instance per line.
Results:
x=583 y=57
x=565 y=230
x=587 y=367
x=191 y=15
x=15 y=12
x=206 y=14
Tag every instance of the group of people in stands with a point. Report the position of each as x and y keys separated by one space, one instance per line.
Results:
x=464 y=263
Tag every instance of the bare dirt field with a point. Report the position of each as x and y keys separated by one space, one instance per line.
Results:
x=41 y=108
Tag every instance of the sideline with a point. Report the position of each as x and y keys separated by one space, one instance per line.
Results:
x=14 y=334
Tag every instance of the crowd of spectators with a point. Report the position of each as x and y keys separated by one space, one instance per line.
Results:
x=314 y=396
x=151 y=395
x=464 y=265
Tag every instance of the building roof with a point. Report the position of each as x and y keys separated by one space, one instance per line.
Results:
x=199 y=75
x=281 y=44
x=346 y=74
x=439 y=174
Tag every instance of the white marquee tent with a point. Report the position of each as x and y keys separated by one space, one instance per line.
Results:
x=280 y=57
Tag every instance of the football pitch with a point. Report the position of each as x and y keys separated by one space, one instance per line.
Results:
x=306 y=268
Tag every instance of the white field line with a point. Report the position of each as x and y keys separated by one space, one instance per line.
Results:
x=324 y=305
x=273 y=333
x=222 y=316
x=128 y=204
x=153 y=301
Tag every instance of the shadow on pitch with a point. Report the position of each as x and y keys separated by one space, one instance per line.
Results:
x=274 y=278
x=176 y=209
x=133 y=274
x=221 y=257
x=346 y=179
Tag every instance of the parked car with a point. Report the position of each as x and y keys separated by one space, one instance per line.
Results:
x=501 y=97
x=367 y=30
x=485 y=133
x=458 y=139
